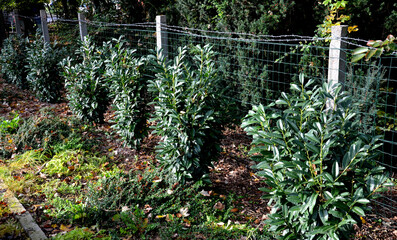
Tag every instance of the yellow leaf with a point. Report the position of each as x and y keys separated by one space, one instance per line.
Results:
x=161 y=216
x=352 y=28
x=363 y=220
x=65 y=228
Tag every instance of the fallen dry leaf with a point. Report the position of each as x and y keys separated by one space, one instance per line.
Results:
x=234 y=210
x=184 y=212
x=205 y=193
x=219 y=206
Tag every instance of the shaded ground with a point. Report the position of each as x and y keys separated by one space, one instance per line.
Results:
x=231 y=174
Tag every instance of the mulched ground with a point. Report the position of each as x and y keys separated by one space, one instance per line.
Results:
x=231 y=174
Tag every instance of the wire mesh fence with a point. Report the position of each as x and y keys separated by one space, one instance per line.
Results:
x=256 y=69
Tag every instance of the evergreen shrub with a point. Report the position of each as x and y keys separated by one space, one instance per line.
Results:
x=85 y=83
x=13 y=60
x=128 y=89
x=320 y=169
x=43 y=69
x=187 y=113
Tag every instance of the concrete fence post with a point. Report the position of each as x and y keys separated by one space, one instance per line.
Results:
x=44 y=26
x=82 y=26
x=17 y=23
x=161 y=34
x=337 y=57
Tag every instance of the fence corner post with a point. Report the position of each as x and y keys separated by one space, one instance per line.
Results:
x=44 y=26
x=82 y=26
x=17 y=23
x=337 y=55
x=161 y=34
x=337 y=58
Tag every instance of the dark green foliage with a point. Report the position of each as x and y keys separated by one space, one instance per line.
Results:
x=253 y=16
x=320 y=170
x=85 y=82
x=13 y=60
x=43 y=70
x=124 y=72
x=363 y=84
x=187 y=113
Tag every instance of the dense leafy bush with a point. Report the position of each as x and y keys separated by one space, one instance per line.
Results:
x=187 y=113
x=320 y=170
x=43 y=71
x=85 y=83
x=124 y=71
x=13 y=60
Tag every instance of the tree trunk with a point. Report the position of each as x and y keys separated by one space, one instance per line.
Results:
x=65 y=8
x=2 y=29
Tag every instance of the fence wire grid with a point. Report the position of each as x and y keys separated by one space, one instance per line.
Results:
x=257 y=68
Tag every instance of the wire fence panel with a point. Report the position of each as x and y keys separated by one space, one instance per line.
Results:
x=64 y=31
x=256 y=69
x=141 y=37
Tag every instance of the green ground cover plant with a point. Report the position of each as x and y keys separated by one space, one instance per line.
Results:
x=46 y=132
x=9 y=126
x=187 y=112
x=319 y=167
x=143 y=204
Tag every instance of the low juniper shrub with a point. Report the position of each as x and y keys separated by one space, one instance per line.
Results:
x=320 y=169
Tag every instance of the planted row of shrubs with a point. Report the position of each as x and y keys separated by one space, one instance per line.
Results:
x=319 y=168
x=184 y=94
x=33 y=65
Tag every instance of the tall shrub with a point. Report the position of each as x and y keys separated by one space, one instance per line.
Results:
x=43 y=69
x=128 y=88
x=13 y=60
x=186 y=113
x=85 y=82
x=320 y=170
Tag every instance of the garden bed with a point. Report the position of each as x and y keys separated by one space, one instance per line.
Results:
x=53 y=183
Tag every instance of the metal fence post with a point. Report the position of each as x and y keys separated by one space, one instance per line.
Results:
x=44 y=26
x=82 y=26
x=17 y=23
x=337 y=57
x=161 y=34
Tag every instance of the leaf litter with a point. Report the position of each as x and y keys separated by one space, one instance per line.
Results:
x=232 y=174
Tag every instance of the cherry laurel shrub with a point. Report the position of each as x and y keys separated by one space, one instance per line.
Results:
x=13 y=60
x=85 y=83
x=186 y=102
x=319 y=169
x=128 y=88
x=43 y=69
